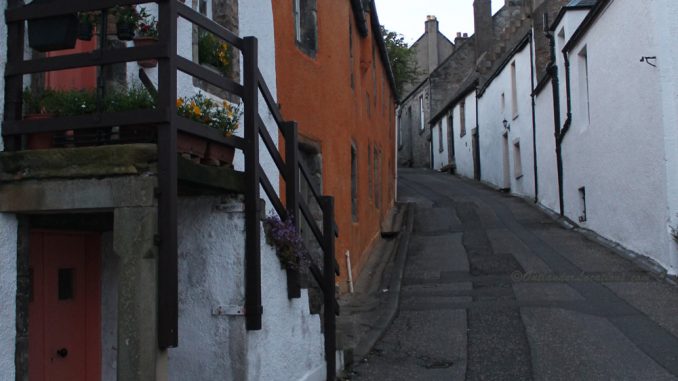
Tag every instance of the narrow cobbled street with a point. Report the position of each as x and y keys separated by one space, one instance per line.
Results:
x=494 y=289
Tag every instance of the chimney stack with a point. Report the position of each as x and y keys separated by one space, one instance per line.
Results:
x=482 y=17
x=460 y=38
x=432 y=39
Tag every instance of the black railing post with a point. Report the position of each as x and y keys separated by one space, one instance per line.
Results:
x=167 y=181
x=327 y=205
x=253 y=308
x=14 y=83
x=292 y=196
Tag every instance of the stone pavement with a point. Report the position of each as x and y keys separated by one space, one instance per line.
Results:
x=494 y=289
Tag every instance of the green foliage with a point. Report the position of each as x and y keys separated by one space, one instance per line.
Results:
x=402 y=60
x=81 y=102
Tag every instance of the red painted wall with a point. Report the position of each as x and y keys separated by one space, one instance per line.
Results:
x=317 y=94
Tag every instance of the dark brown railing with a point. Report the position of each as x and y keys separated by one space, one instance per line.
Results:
x=169 y=124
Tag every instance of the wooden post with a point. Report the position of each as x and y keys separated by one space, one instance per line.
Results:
x=292 y=196
x=14 y=83
x=168 y=288
x=253 y=308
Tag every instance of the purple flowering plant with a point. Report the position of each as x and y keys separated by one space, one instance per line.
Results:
x=283 y=235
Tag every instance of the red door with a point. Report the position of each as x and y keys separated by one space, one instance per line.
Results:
x=73 y=79
x=64 y=312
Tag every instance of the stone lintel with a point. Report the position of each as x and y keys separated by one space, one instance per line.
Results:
x=36 y=196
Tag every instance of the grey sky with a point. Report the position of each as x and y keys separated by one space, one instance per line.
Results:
x=407 y=17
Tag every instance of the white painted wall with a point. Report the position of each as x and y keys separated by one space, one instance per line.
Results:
x=8 y=255
x=463 y=151
x=211 y=274
x=547 y=170
x=666 y=24
x=495 y=106
x=8 y=242
x=619 y=156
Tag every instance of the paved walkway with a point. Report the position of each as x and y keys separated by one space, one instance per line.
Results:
x=494 y=289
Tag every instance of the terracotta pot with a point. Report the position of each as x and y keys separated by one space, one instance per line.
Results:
x=219 y=154
x=145 y=41
x=40 y=140
x=191 y=146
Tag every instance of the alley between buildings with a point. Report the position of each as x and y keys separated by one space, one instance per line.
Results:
x=494 y=289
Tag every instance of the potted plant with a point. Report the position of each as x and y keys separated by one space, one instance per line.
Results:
x=34 y=109
x=136 y=97
x=226 y=120
x=285 y=238
x=214 y=53
x=86 y=23
x=127 y=19
x=52 y=33
x=147 y=34
x=222 y=117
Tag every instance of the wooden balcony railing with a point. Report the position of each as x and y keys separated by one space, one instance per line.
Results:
x=168 y=125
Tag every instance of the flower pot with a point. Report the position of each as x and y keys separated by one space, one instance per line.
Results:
x=52 y=33
x=190 y=146
x=40 y=140
x=125 y=31
x=85 y=31
x=218 y=154
x=145 y=41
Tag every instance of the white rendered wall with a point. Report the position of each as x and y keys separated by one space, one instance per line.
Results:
x=619 y=157
x=666 y=22
x=8 y=255
x=8 y=242
x=493 y=111
x=463 y=151
x=547 y=170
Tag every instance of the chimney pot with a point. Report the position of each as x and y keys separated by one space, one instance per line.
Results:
x=465 y=35
x=458 y=34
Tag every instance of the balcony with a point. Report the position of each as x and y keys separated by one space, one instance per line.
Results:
x=104 y=155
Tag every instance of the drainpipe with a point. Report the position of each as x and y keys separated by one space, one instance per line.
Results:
x=568 y=91
x=534 y=123
x=555 y=84
x=480 y=173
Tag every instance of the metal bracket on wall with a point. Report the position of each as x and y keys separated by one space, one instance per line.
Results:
x=228 y=310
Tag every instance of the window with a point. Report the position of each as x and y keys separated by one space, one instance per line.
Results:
x=462 y=118
x=422 y=124
x=377 y=177
x=207 y=48
x=350 y=52
x=369 y=171
x=354 y=182
x=441 y=148
x=584 y=85
x=514 y=91
x=306 y=26
x=517 y=160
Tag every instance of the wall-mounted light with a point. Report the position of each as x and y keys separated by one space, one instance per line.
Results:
x=506 y=124
x=647 y=59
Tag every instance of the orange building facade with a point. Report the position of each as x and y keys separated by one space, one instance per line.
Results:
x=334 y=80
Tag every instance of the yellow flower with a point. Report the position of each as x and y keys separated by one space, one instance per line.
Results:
x=196 y=109
x=180 y=102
